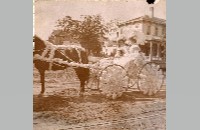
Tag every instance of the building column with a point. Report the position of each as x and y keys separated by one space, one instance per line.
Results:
x=158 y=50
x=151 y=51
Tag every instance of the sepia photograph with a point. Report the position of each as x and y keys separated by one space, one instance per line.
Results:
x=99 y=64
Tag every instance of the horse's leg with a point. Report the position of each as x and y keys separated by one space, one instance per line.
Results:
x=83 y=75
x=42 y=81
x=82 y=86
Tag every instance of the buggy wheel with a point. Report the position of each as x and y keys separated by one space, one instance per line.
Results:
x=132 y=70
x=113 y=81
x=93 y=81
x=150 y=78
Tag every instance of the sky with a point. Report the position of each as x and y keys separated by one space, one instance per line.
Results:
x=47 y=12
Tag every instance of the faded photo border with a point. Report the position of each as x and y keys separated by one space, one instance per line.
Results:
x=15 y=65
x=183 y=63
x=183 y=71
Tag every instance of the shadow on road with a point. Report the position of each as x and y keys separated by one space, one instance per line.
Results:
x=53 y=102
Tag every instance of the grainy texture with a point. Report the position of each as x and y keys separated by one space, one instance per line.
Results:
x=61 y=108
x=99 y=65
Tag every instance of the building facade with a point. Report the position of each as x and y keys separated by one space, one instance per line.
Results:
x=147 y=31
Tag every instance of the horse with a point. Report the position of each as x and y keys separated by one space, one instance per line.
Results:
x=70 y=54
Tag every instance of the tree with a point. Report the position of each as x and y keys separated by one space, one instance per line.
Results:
x=89 y=31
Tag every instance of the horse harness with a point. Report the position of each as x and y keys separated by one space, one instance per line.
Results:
x=52 y=48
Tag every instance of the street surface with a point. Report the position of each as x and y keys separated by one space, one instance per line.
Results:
x=62 y=109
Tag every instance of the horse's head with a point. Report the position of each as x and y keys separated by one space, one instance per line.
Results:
x=39 y=45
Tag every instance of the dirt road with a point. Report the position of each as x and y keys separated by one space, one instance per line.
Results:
x=62 y=109
x=96 y=112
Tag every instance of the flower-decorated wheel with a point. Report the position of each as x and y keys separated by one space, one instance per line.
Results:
x=132 y=70
x=113 y=81
x=150 y=78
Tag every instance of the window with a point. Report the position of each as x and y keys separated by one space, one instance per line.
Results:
x=148 y=30
x=137 y=25
x=163 y=30
x=154 y=47
x=156 y=31
x=121 y=31
x=117 y=34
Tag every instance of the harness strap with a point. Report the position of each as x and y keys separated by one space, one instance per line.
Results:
x=51 y=56
x=52 y=48
x=45 y=51
x=79 y=55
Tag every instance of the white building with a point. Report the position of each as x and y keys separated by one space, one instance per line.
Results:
x=147 y=31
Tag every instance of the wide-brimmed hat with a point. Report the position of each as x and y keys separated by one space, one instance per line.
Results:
x=135 y=48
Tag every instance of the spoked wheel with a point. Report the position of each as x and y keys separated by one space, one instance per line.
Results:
x=113 y=81
x=132 y=70
x=150 y=78
x=93 y=81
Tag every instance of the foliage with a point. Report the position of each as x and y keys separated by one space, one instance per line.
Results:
x=89 y=31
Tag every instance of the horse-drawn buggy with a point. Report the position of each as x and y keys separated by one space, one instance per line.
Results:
x=115 y=75
x=111 y=76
